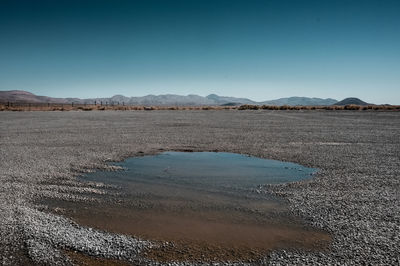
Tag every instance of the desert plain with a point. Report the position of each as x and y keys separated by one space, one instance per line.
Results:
x=355 y=195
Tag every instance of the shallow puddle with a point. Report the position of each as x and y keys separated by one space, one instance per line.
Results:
x=204 y=204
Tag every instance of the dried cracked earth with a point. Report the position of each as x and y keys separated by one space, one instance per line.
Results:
x=355 y=195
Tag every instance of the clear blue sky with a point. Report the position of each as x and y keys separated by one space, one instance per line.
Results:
x=256 y=49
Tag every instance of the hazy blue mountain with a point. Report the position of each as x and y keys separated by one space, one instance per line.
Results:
x=293 y=101
x=170 y=99
x=352 y=100
x=27 y=97
x=222 y=100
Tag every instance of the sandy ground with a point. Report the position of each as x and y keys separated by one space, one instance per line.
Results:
x=355 y=196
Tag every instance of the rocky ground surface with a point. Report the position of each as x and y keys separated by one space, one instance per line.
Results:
x=355 y=196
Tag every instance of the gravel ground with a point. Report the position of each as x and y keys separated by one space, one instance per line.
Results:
x=355 y=196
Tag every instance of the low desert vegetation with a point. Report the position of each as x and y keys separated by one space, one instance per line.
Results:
x=98 y=107
x=329 y=107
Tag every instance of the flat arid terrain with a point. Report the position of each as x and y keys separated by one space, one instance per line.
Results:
x=355 y=195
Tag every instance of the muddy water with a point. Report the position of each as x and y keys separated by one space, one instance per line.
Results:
x=204 y=204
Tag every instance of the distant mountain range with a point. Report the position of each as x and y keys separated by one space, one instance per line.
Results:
x=170 y=100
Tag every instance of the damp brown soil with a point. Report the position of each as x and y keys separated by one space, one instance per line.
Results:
x=81 y=259
x=196 y=219
x=223 y=235
x=186 y=232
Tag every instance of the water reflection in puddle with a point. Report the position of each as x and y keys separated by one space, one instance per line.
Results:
x=205 y=203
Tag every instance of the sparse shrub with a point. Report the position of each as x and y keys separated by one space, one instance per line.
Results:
x=249 y=107
x=351 y=107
